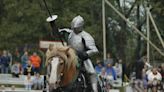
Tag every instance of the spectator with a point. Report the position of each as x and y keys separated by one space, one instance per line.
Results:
x=103 y=73
x=154 y=79
x=111 y=74
x=0 y=61
x=144 y=79
x=38 y=82
x=162 y=72
x=139 y=67
x=5 y=62
x=10 y=57
x=118 y=69
x=24 y=59
x=28 y=82
x=102 y=77
x=109 y=59
x=98 y=66
x=29 y=68
x=16 y=69
x=36 y=61
x=16 y=56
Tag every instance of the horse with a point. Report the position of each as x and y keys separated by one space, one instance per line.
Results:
x=63 y=70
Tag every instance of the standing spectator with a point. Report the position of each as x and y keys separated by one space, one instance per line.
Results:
x=16 y=56
x=98 y=66
x=28 y=82
x=38 y=82
x=144 y=79
x=29 y=68
x=109 y=59
x=0 y=61
x=5 y=61
x=36 y=61
x=16 y=69
x=10 y=57
x=24 y=59
x=162 y=72
x=139 y=67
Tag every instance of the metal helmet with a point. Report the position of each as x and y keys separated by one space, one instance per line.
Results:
x=77 y=22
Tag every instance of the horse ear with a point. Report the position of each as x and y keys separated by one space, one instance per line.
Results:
x=67 y=50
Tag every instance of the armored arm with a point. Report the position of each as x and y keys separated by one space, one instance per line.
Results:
x=65 y=32
x=90 y=46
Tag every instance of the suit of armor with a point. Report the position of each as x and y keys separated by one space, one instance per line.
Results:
x=83 y=42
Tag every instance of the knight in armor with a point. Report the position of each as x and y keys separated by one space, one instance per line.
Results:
x=84 y=44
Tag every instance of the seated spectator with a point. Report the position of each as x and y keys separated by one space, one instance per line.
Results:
x=102 y=78
x=154 y=80
x=118 y=70
x=29 y=68
x=162 y=72
x=28 y=82
x=103 y=73
x=98 y=66
x=16 y=69
x=111 y=74
x=38 y=82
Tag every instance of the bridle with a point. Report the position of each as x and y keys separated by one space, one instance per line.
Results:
x=61 y=76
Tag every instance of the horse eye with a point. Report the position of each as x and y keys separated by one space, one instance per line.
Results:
x=61 y=62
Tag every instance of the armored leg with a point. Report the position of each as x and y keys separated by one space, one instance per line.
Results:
x=90 y=69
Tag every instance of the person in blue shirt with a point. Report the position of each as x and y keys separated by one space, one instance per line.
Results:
x=5 y=61
x=99 y=66
x=111 y=73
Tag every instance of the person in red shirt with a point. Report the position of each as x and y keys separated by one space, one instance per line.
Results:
x=36 y=61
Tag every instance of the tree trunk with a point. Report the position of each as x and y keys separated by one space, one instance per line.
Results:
x=138 y=48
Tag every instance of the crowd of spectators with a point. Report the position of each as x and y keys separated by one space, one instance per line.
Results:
x=22 y=64
x=108 y=70
x=146 y=77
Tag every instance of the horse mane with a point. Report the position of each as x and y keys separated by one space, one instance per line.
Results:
x=66 y=53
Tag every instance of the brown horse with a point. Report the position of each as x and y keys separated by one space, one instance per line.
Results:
x=63 y=62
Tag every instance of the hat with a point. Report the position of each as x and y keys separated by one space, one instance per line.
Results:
x=52 y=18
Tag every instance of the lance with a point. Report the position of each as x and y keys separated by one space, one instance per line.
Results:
x=51 y=19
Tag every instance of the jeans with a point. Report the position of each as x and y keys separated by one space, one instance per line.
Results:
x=4 y=69
x=28 y=86
x=37 y=70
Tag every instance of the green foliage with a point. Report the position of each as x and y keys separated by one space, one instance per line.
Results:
x=24 y=22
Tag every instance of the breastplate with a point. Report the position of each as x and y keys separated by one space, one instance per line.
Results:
x=75 y=41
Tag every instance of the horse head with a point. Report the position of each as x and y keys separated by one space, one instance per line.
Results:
x=62 y=61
